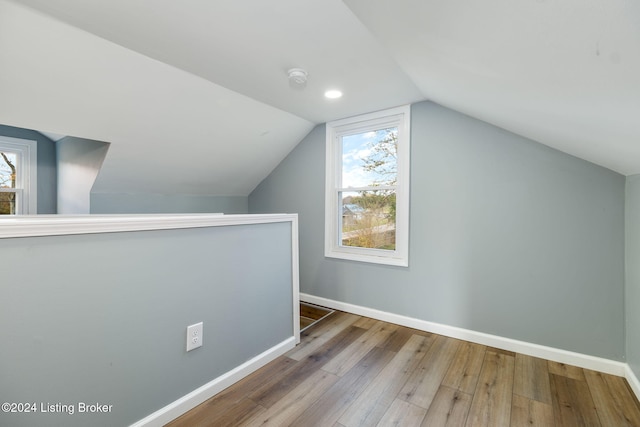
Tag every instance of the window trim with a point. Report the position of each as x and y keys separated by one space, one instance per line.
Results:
x=400 y=117
x=27 y=181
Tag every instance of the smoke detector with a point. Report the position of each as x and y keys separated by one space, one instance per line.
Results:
x=297 y=77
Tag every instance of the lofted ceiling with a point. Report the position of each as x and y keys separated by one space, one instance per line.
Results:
x=194 y=96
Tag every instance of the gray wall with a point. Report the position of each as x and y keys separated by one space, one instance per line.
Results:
x=103 y=317
x=632 y=264
x=47 y=184
x=508 y=237
x=74 y=189
x=108 y=203
x=79 y=162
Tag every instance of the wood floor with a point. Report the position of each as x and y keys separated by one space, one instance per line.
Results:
x=355 y=371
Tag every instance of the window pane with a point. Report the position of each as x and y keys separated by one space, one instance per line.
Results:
x=7 y=203
x=8 y=164
x=369 y=158
x=368 y=219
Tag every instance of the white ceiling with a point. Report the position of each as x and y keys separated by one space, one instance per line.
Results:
x=206 y=79
x=565 y=73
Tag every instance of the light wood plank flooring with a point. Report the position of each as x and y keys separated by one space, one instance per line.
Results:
x=355 y=371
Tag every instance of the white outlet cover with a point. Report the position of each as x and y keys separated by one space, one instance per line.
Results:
x=194 y=336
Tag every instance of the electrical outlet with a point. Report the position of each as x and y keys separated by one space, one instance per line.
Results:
x=194 y=336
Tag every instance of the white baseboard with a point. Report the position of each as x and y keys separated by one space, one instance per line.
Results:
x=201 y=394
x=633 y=381
x=554 y=354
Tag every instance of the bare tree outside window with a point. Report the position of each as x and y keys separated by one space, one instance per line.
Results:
x=369 y=215
x=367 y=187
x=8 y=176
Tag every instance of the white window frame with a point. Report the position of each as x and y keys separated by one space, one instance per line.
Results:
x=400 y=117
x=27 y=177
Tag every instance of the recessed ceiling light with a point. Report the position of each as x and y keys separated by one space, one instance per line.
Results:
x=333 y=94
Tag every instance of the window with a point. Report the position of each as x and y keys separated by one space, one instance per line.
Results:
x=17 y=176
x=367 y=188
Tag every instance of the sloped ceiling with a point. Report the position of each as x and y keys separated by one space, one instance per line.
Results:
x=194 y=97
x=565 y=73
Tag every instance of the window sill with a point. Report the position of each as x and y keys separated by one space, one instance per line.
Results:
x=396 y=261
